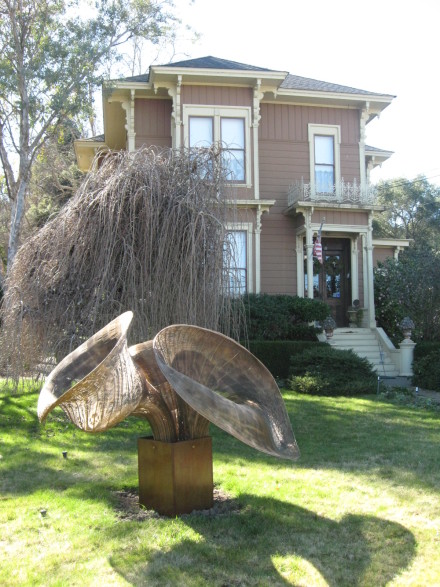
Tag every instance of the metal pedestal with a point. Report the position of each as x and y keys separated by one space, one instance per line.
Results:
x=175 y=478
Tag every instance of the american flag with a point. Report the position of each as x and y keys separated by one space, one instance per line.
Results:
x=317 y=246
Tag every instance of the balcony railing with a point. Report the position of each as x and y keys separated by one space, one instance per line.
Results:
x=343 y=193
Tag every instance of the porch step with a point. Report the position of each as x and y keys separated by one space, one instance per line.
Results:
x=364 y=343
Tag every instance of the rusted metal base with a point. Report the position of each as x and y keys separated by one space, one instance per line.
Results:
x=175 y=477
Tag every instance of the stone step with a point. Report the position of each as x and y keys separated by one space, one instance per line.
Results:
x=365 y=344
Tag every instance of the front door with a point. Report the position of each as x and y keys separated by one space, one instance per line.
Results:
x=334 y=275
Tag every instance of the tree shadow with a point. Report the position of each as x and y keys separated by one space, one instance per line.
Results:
x=242 y=549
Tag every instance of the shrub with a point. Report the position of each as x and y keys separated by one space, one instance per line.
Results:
x=425 y=348
x=322 y=370
x=409 y=287
x=275 y=354
x=282 y=317
x=427 y=371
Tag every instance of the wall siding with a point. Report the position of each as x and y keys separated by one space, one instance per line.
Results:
x=284 y=157
x=216 y=96
x=380 y=254
x=153 y=123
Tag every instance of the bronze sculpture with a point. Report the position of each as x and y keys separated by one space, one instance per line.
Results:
x=181 y=381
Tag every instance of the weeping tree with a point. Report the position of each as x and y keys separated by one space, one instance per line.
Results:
x=145 y=232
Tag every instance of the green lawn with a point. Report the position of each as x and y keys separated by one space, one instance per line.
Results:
x=361 y=506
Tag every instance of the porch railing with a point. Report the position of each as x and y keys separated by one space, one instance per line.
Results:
x=342 y=193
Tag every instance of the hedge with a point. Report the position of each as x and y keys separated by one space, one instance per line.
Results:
x=276 y=354
x=323 y=370
x=282 y=317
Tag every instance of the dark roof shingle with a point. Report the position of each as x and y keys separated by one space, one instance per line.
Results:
x=210 y=62
x=296 y=82
x=290 y=82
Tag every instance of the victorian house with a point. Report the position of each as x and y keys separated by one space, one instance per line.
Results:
x=299 y=166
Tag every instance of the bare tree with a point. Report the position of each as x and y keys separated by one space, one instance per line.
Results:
x=50 y=57
x=147 y=233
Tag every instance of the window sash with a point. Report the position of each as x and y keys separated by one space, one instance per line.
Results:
x=235 y=262
x=324 y=164
x=201 y=131
x=231 y=137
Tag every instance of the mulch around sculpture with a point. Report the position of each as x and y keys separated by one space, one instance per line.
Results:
x=128 y=508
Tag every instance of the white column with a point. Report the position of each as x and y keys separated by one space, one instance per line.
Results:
x=371 y=312
x=309 y=248
x=300 y=266
x=362 y=162
x=129 y=119
x=365 y=270
x=176 y=120
x=258 y=251
x=257 y=97
x=354 y=269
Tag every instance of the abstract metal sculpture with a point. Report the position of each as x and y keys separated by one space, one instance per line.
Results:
x=181 y=381
x=226 y=384
x=97 y=385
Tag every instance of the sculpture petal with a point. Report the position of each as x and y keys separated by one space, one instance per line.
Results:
x=226 y=384
x=97 y=385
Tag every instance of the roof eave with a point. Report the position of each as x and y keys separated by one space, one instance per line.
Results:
x=375 y=103
x=198 y=75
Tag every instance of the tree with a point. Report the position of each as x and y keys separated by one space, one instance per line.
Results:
x=412 y=211
x=50 y=58
x=409 y=287
x=55 y=177
x=145 y=232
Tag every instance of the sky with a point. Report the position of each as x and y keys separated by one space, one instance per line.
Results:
x=384 y=46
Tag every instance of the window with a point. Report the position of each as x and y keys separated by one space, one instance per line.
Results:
x=324 y=145
x=235 y=262
x=324 y=164
x=226 y=126
x=232 y=140
x=201 y=131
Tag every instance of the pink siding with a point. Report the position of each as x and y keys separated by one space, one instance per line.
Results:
x=382 y=253
x=281 y=122
x=284 y=158
x=216 y=96
x=152 y=119
x=351 y=217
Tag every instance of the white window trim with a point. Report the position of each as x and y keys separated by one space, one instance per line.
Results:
x=332 y=130
x=248 y=228
x=218 y=112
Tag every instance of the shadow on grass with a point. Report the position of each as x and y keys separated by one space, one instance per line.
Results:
x=266 y=544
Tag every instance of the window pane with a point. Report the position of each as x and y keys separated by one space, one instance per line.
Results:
x=324 y=152
x=235 y=261
x=234 y=163
x=232 y=138
x=232 y=130
x=200 y=131
x=324 y=179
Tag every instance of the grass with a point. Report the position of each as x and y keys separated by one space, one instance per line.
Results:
x=360 y=508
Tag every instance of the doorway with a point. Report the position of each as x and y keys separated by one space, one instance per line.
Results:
x=331 y=279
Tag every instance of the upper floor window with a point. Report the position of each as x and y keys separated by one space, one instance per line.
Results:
x=231 y=141
x=325 y=166
x=227 y=127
